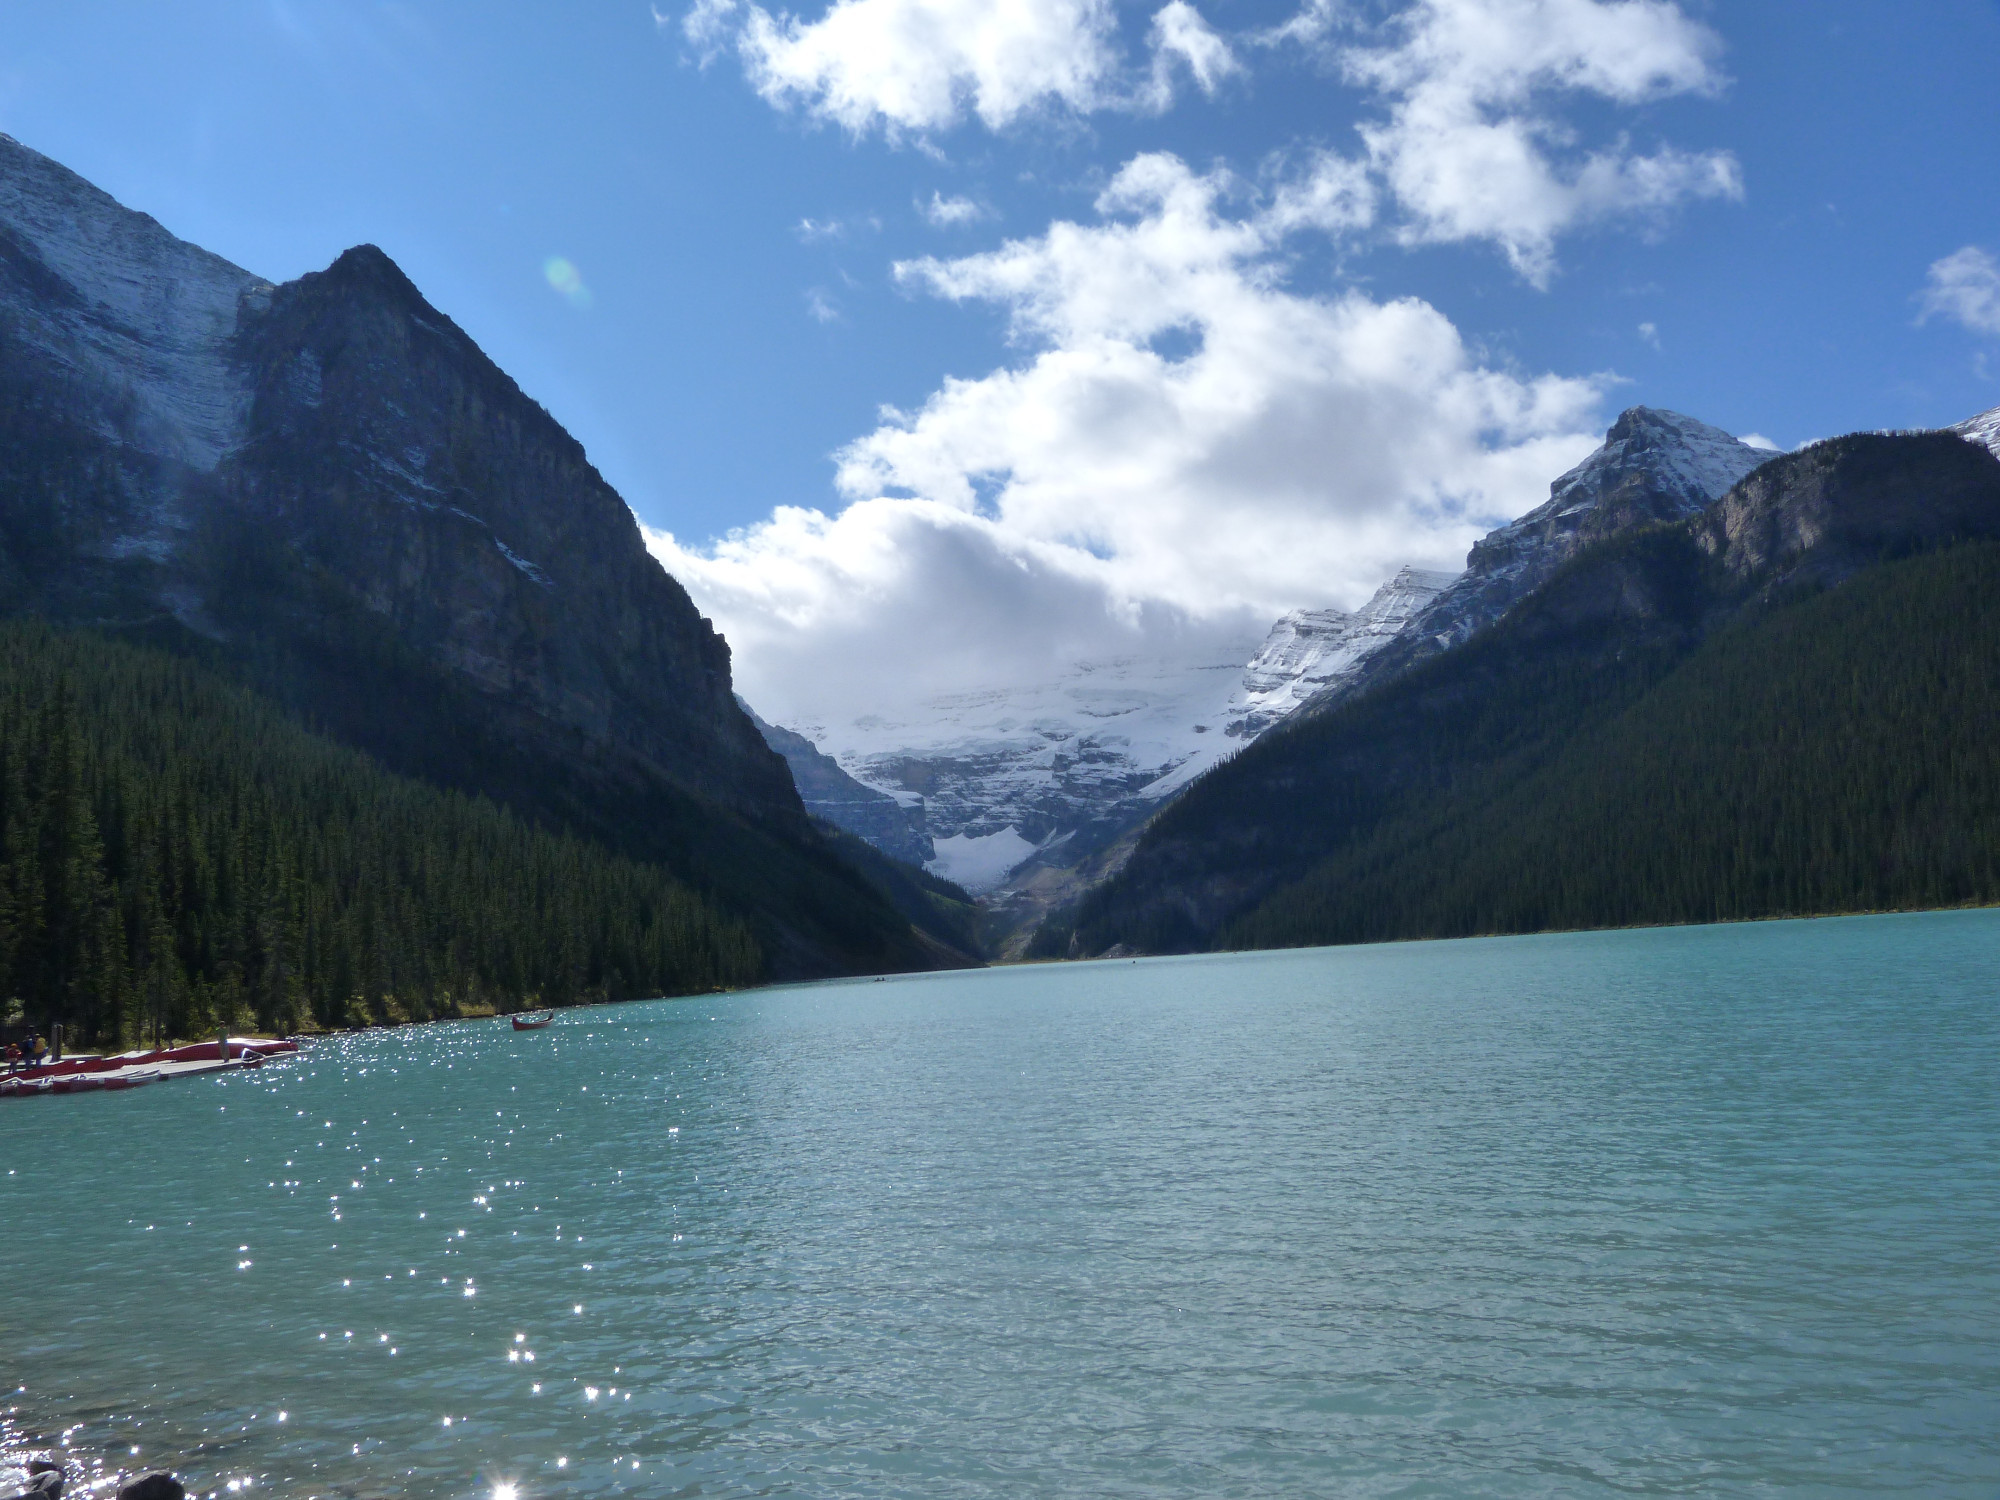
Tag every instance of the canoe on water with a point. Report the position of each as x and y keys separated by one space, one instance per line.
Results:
x=532 y=1020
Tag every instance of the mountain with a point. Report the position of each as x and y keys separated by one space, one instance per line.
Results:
x=895 y=827
x=1782 y=703
x=1023 y=793
x=1001 y=773
x=1653 y=467
x=1311 y=650
x=1031 y=795
x=327 y=487
x=1983 y=429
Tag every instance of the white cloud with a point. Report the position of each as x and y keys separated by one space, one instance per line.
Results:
x=1333 y=195
x=1468 y=145
x=950 y=213
x=709 y=25
x=921 y=66
x=1758 y=440
x=1186 y=445
x=1965 y=287
x=1649 y=334
x=1180 y=35
x=1466 y=148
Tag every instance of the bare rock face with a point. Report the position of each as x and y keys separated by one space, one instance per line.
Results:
x=1839 y=505
x=327 y=488
x=399 y=473
x=331 y=476
x=895 y=827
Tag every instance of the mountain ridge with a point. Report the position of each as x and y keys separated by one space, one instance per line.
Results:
x=328 y=487
x=1460 y=729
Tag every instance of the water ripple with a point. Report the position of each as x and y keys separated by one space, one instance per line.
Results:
x=1705 y=1211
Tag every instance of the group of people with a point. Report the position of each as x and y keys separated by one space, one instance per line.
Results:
x=33 y=1050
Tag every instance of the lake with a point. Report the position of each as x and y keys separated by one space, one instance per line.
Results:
x=1697 y=1211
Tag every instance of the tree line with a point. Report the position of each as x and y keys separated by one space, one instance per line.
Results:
x=1838 y=754
x=178 y=855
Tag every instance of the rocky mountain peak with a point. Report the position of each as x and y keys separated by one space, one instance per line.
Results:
x=329 y=474
x=1983 y=429
x=1654 y=466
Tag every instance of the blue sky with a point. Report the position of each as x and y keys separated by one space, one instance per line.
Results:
x=735 y=192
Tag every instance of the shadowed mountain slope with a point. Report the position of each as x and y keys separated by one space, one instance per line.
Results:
x=326 y=487
x=1343 y=825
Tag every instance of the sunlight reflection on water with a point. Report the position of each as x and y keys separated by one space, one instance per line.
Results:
x=1704 y=1210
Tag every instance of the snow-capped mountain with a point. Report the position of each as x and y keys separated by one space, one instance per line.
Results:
x=1016 y=783
x=1654 y=467
x=1984 y=428
x=1310 y=648
x=1047 y=774
x=1002 y=773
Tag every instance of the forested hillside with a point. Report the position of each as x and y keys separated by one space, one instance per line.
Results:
x=326 y=489
x=174 y=846
x=1783 y=704
x=1840 y=754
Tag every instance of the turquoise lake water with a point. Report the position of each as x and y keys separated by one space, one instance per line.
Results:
x=1702 y=1211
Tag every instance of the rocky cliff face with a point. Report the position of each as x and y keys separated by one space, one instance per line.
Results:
x=328 y=485
x=1655 y=467
x=1831 y=509
x=1983 y=429
x=897 y=828
x=1311 y=649
x=189 y=441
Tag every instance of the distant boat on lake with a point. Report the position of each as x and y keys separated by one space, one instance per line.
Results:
x=532 y=1020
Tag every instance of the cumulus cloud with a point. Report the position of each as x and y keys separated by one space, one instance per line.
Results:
x=950 y=213
x=920 y=66
x=1964 y=287
x=1468 y=144
x=1186 y=444
x=1470 y=152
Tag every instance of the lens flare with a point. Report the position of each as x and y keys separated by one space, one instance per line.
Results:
x=567 y=281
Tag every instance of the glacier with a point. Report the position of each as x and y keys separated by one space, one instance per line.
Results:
x=1026 y=790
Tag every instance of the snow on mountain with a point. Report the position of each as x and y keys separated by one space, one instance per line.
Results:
x=1005 y=772
x=1049 y=773
x=1654 y=467
x=1015 y=780
x=1309 y=648
x=134 y=305
x=1984 y=428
